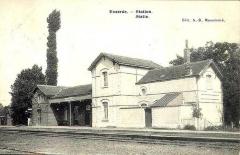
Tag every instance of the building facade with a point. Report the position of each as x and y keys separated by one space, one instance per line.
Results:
x=130 y=92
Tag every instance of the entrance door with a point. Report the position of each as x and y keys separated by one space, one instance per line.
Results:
x=148 y=117
x=38 y=116
x=88 y=115
x=82 y=112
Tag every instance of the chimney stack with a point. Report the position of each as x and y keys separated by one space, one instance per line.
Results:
x=186 y=53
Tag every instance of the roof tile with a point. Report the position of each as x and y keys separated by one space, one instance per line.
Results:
x=123 y=60
x=165 y=100
x=174 y=72
x=75 y=91
x=50 y=90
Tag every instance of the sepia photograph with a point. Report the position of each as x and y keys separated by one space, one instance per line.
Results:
x=120 y=77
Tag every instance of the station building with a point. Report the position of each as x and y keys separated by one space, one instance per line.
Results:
x=136 y=93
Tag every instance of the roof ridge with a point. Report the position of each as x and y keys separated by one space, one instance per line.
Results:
x=210 y=60
x=174 y=72
x=73 y=91
x=128 y=57
x=126 y=60
x=79 y=85
x=166 y=99
x=50 y=85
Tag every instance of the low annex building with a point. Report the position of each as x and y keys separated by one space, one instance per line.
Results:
x=130 y=92
x=55 y=105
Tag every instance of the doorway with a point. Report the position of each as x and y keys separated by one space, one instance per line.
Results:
x=148 y=117
x=39 y=116
x=81 y=113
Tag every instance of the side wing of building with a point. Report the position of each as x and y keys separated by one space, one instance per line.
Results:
x=210 y=97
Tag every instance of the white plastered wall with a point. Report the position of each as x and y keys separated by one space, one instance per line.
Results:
x=210 y=98
x=174 y=116
x=120 y=93
x=166 y=117
x=186 y=86
x=132 y=117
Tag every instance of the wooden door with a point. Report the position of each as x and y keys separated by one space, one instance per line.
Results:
x=148 y=117
x=38 y=116
x=88 y=115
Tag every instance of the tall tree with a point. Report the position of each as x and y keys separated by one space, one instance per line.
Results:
x=227 y=57
x=54 y=24
x=22 y=92
x=1 y=109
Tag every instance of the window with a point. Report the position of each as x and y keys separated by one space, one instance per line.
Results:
x=143 y=91
x=39 y=98
x=105 y=108
x=188 y=70
x=88 y=107
x=209 y=81
x=39 y=115
x=143 y=105
x=209 y=76
x=105 y=79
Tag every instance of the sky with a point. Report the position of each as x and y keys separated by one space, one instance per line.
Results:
x=87 y=29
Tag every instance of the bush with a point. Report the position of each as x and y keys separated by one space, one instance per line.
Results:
x=189 y=127
x=212 y=128
x=63 y=123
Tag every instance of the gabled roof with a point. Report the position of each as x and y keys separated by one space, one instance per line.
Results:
x=176 y=72
x=50 y=90
x=75 y=91
x=165 y=100
x=127 y=61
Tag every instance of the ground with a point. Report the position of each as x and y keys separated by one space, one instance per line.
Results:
x=25 y=142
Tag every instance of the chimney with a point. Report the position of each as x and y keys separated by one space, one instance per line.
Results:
x=186 y=53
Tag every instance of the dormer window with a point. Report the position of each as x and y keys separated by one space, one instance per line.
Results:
x=188 y=70
x=105 y=79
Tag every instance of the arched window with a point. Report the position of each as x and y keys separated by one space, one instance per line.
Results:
x=105 y=78
x=39 y=98
x=144 y=105
x=143 y=91
x=209 y=81
x=105 y=109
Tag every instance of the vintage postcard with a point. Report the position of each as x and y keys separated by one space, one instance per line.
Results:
x=119 y=77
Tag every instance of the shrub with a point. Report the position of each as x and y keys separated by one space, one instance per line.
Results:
x=189 y=127
x=197 y=112
x=211 y=128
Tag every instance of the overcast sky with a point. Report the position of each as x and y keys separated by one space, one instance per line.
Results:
x=88 y=29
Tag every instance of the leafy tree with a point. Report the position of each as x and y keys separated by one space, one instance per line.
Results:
x=227 y=57
x=22 y=92
x=4 y=110
x=178 y=61
x=54 y=24
x=1 y=109
x=197 y=112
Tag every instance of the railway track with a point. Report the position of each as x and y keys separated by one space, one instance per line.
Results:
x=18 y=151
x=235 y=145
